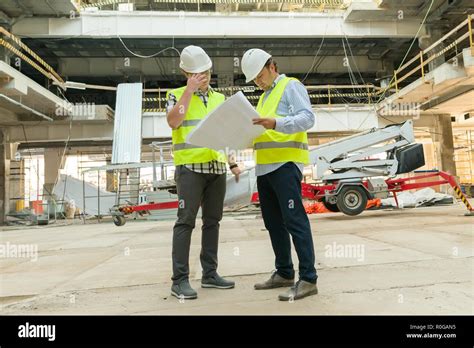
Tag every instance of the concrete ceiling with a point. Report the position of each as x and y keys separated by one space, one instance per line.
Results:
x=225 y=5
x=461 y=104
x=101 y=60
x=19 y=95
x=96 y=59
x=55 y=8
x=375 y=48
x=443 y=13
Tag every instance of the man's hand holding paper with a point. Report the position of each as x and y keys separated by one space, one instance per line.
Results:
x=229 y=127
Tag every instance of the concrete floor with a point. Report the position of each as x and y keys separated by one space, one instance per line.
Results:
x=413 y=261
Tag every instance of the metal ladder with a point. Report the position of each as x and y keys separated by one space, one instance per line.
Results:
x=128 y=186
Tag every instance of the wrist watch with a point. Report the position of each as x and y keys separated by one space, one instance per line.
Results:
x=232 y=166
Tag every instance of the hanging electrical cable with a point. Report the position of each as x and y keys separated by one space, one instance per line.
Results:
x=316 y=55
x=151 y=55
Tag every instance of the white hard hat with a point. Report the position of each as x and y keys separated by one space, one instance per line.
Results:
x=253 y=62
x=193 y=59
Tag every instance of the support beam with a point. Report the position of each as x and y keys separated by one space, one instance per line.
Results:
x=110 y=179
x=60 y=131
x=5 y=20
x=433 y=34
x=17 y=182
x=443 y=139
x=289 y=64
x=4 y=176
x=156 y=24
x=335 y=118
x=23 y=96
x=52 y=164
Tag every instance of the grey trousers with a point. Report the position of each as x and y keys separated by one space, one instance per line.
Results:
x=194 y=190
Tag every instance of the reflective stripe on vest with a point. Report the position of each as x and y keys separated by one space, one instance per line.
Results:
x=184 y=153
x=273 y=146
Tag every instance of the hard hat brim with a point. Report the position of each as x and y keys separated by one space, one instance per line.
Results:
x=196 y=70
x=248 y=79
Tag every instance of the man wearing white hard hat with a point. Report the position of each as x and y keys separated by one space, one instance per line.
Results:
x=200 y=175
x=281 y=153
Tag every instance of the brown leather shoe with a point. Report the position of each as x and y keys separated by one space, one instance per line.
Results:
x=301 y=289
x=275 y=281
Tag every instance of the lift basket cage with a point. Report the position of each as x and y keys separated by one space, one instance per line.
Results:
x=409 y=158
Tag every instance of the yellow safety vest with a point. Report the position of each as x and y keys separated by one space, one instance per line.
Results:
x=186 y=153
x=273 y=146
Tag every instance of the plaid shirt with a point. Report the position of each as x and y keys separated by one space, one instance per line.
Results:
x=213 y=167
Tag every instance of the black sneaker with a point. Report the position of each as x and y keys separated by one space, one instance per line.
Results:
x=183 y=290
x=217 y=282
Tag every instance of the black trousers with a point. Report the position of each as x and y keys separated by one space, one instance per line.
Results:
x=284 y=216
x=195 y=190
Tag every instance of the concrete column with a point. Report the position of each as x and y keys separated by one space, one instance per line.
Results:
x=5 y=54
x=225 y=79
x=226 y=69
x=109 y=177
x=444 y=145
x=432 y=35
x=52 y=164
x=17 y=182
x=4 y=176
x=385 y=73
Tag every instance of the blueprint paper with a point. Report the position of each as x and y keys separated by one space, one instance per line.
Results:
x=228 y=127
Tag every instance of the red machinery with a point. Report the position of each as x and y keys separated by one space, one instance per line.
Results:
x=352 y=173
x=118 y=216
x=351 y=199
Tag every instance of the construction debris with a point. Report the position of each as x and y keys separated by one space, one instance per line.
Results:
x=424 y=197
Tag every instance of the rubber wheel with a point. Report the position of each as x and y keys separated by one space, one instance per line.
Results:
x=352 y=200
x=330 y=206
x=118 y=220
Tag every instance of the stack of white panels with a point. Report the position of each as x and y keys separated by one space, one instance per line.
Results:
x=127 y=140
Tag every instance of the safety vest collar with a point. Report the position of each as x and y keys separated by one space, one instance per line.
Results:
x=269 y=107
